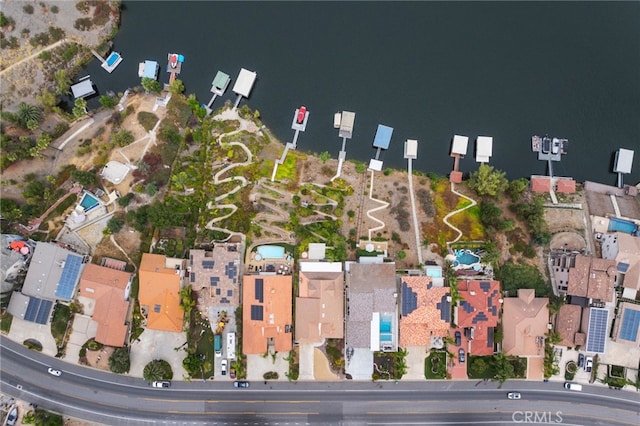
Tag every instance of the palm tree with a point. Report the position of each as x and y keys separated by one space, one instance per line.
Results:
x=157 y=369
x=28 y=113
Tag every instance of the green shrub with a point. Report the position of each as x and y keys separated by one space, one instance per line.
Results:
x=147 y=120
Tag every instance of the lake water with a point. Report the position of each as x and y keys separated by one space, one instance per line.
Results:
x=430 y=70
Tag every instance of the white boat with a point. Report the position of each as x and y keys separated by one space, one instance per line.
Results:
x=337 y=118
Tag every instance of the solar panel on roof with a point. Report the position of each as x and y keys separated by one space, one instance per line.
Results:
x=256 y=313
x=69 y=277
x=259 y=290
x=623 y=267
x=43 y=313
x=445 y=308
x=630 y=323
x=229 y=292
x=208 y=264
x=32 y=309
x=217 y=292
x=466 y=306
x=597 y=334
x=191 y=260
x=409 y=299
x=485 y=285
x=214 y=281
x=192 y=277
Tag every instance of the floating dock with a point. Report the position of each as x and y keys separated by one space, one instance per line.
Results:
x=244 y=84
x=218 y=87
x=623 y=164
x=344 y=122
x=148 y=69
x=459 y=147
x=484 y=149
x=83 y=88
x=549 y=149
x=174 y=65
x=380 y=141
x=112 y=61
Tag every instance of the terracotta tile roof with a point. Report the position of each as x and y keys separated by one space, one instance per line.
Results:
x=566 y=186
x=593 y=278
x=267 y=313
x=159 y=293
x=426 y=319
x=110 y=290
x=218 y=271
x=455 y=176
x=540 y=184
x=480 y=309
x=524 y=318
x=568 y=323
x=320 y=307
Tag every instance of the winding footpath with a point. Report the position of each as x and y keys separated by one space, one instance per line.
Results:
x=446 y=221
x=383 y=205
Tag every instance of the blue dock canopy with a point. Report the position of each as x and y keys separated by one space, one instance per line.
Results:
x=383 y=136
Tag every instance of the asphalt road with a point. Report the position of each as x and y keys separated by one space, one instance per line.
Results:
x=123 y=400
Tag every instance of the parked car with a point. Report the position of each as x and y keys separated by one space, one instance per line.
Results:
x=302 y=111
x=461 y=355
x=161 y=384
x=54 y=372
x=458 y=338
x=580 y=360
x=241 y=384
x=232 y=373
x=588 y=365
x=573 y=386
x=223 y=367
x=514 y=395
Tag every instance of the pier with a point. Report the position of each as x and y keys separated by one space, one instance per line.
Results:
x=623 y=164
x=344 y=122
x=218 y=87
x=459 y=147
x=411 y=153
x=174 y=65
x=244 y=84
x=299 y=124
x=380 y=141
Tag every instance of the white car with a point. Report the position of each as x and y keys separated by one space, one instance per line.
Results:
x=161 y=384
x=54 y=372
x=514 y=395
x=223 y=365
x=588 y=365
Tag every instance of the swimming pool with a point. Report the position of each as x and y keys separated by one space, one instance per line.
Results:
x=113 y=57
x=465 y=257
x=621 y=225
x=434 y=272
x=385 y=328
x=89 y=202
x=271 y=252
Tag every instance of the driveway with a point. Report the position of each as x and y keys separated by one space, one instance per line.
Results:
x=213 y=313
x=22 y=330
x=257 y=365
x=154 y=344
x=415 y=362
x=84 y=328
x=360 y=364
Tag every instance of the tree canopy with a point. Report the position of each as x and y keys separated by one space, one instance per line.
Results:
x=488 y=181
x=515 y=276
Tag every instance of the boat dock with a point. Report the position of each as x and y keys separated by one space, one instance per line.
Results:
x=174 y=65
x=148 y=69
x=622 y=164
x=380 y=141
x=83 y=88
x=112 y=61
x=299 y=124
x=344 y=122
x=244 y=84
x=549 y=149
x=218 y=87
x=459 y=147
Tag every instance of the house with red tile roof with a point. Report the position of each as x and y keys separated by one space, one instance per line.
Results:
x=320 y=302
x=104 y=293
x=161 y=279
x=425 y=311
x=568 y=322
x=478 y=313
x=592 y=278
x=267 y=313
x=525 y=322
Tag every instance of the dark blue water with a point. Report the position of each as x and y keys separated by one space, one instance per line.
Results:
x=430 y=70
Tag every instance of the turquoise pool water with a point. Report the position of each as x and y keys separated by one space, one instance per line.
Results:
x=621 y=225
x=434 y=272
x=112 y=58
x=465 y=257
x=88 y=202
x=271 y=252
x=385 y=329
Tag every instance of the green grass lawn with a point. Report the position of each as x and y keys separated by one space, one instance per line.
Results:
x=435 y=365
x=61 y=317
x=480 y=367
